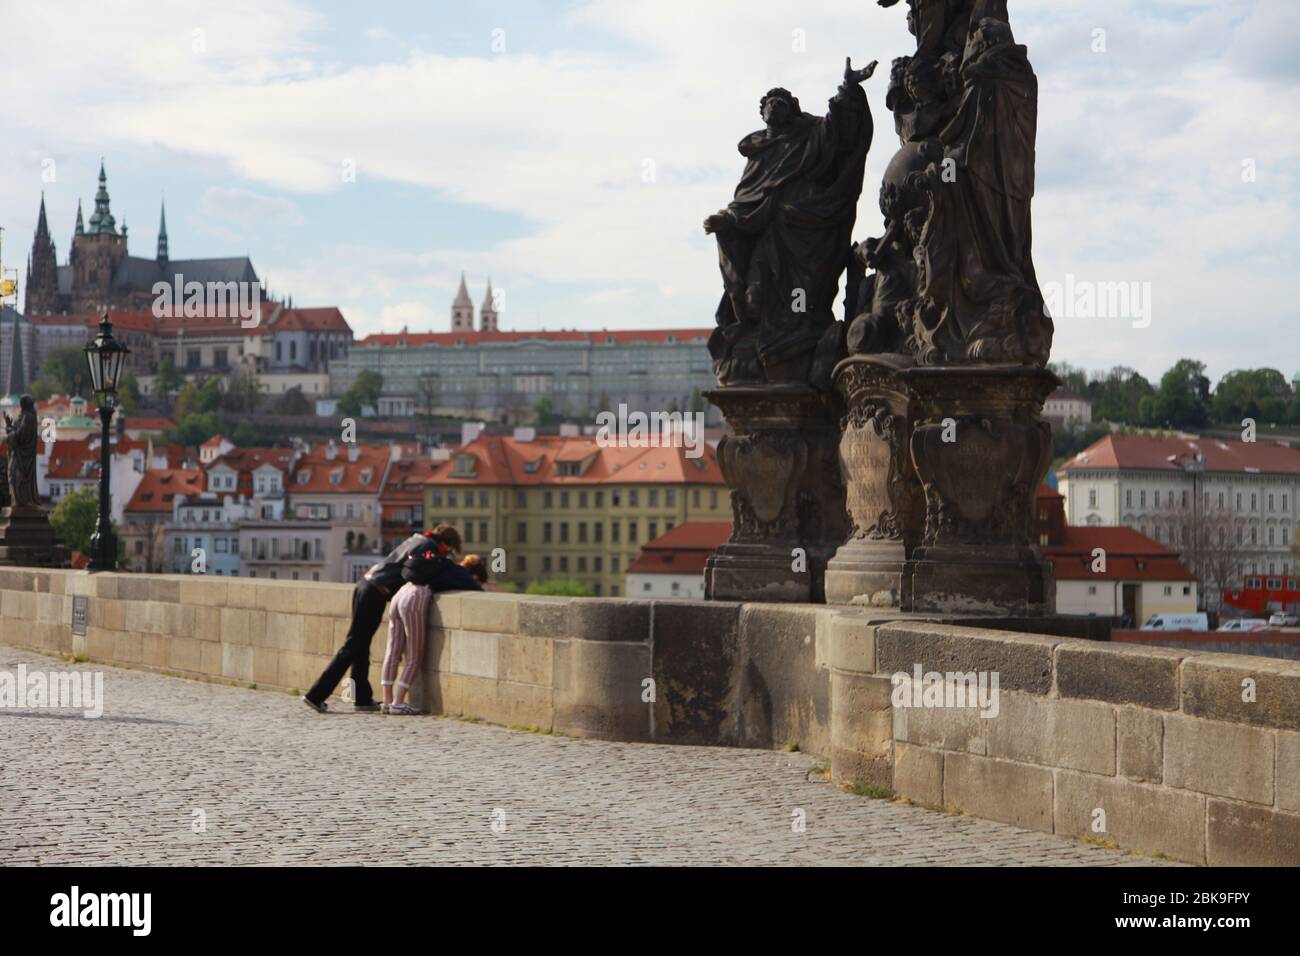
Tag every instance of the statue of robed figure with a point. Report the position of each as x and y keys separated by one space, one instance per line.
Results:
x=786 y=237
x=21 y=436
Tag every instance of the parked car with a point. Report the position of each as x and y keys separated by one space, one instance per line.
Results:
x=1244 y=624
x=1283 y=619
x=1178 y=622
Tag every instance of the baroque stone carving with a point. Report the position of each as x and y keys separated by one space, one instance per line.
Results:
x=786 y=237
x=954 y=279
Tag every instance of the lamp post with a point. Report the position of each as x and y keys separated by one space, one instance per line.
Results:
x=105 y=355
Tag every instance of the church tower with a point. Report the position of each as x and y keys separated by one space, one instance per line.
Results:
x=42 y=271
x=487 y=313
x=162 y=236
x=96 y=254
x=462 y=310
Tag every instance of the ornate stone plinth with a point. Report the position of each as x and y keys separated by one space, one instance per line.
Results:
x=787 y=500
x=980 y=451
x=883 y=496
x=26 y=539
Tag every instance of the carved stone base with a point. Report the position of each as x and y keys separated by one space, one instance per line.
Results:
x=882 y=494
x=786 y=497
x=980 y=451
x=27 y=540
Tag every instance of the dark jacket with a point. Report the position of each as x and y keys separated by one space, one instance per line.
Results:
x=388 y=573
x=438 y=573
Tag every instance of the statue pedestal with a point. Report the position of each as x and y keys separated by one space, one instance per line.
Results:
x=980 y=451
x=786 y=496
x=27 y=540
x=883 y=496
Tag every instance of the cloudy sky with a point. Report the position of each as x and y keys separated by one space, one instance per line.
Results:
x=364 y=154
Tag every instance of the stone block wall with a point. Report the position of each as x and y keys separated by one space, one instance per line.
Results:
x=1190 y=755
x=1164 y=751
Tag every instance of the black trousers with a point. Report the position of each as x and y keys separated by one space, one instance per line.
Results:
x=368 y=603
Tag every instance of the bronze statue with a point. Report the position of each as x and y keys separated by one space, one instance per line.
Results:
x=787 y=235
x=21 y=436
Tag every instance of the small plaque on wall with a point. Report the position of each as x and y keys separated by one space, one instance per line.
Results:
x=80 y=604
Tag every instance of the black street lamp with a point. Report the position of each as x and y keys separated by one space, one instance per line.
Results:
x=105 y=356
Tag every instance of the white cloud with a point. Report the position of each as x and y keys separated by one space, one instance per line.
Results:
x=1140 y=148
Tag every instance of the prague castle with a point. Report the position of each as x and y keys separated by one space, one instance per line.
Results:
x=101 y=274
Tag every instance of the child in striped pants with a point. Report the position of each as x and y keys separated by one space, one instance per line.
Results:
x=408 y=617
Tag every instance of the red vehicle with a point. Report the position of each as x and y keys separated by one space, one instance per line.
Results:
x=1265 y=593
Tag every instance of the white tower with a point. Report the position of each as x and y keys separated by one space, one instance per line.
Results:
x=487 y=313
x=462 y=310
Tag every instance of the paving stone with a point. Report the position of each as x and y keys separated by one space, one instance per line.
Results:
x=278 y=783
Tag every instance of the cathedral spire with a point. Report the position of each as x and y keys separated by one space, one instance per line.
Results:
x=81 y=226
x=101 y=220
x=42 y=269
x=162 y=234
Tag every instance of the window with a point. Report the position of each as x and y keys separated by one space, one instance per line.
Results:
x=695 y=498
x=521 y=499
x=597 y=564
x=1142 y=499
x=631 y=532
x=548 y=500
x=482 y=499
x=451 y=499
x=713 y=500
x=614 y=562
x=521 y=532
x=614 y=528
x=564 y=564
x=1092 y=589
x=654 y=497
x=633 y=498
x=582 y=532
x=564 y=532
x=482 y=531
x=523 y=564
x=469 y=531
x=1185 y=500
x=582 y=499
x=222 y=546
x=598 y=530
x=1128 y=498
x=615 y=499
x=582 y=565
x=1169 y=590
x=564 y=499
x=653 y=532
x=600 y=500
x=645 y=586
x=546 y=532
x=670 y=497
x=546 y=563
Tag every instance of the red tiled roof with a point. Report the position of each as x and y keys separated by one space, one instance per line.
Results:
x=146 y=423
x=501 y=460
x=613 y=336
x=406 y=480
x=681 y=550
x=316 y=474
x=1150 y=453
x=213 y=442
x=245 y=461
x=311 y=320
x=159 y=486
x=1130 y=556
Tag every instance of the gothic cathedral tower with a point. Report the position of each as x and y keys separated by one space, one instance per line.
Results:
x=42 y=271
x=96 y=253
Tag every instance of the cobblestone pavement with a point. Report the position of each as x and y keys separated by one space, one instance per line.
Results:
x=278 y=784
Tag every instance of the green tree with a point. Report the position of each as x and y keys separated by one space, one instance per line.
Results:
x=1262 y=394
x=74 y=519
x=560 y=587
x=66 y=367
x=365 y=390
x=169 y=379
x=1183 y=399
x=42 y=388
x=1117 y=395
x=243 y=392
x=293 y=402
x=697 y=402
x=245 y=436
x=128 y=393
x=194 y=429
x=545 y=412
x=1070 y=375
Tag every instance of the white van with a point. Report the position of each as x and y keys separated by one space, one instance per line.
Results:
x=1178 y=622
x=1240 y=624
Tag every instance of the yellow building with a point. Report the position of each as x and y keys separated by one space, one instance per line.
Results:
x=565 y=507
